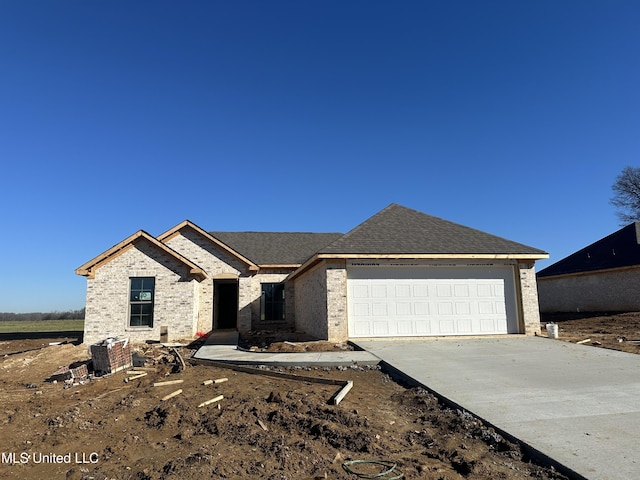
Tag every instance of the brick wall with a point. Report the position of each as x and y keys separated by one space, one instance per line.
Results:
x=107 y=305
x=215 y=262
x=311 y=302
x=336 y=275
x=254 y=294
x=607 y=291
x=529 y=292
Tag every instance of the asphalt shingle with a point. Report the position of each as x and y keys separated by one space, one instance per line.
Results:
x=276 y=248
x=401 y=230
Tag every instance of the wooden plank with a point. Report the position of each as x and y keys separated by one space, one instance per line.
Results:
x=268 y=373
x=342 y=393
x=135 y=377
x=587 y=340
x=207 y=382
x=169 y=382
x=171 y=395
x=213 y=400
x=221 y=380
x=346 y=384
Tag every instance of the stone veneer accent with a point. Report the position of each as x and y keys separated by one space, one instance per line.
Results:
x=338 y=328
x=529 y=296
x=176 y=296
x=604 y=291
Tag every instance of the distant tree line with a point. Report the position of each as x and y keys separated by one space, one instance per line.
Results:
x=37 y=316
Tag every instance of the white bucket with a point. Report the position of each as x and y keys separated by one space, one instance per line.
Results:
x=552 y=330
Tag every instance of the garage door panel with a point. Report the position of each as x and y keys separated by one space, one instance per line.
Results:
x=421 y=309
x=464 y=326
x=463 y=308
x=361 y=310
x=403 y=309
x=422 y=327
x=379 y=310
x=381 y=328
x=405 y=327
x=438 y=301
x=378 y=291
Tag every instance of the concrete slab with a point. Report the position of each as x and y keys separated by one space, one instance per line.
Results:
x=222 y=346
x=576 y=404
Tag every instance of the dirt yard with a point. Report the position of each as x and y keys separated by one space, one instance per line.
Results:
x=619 y=331
x=264 y=427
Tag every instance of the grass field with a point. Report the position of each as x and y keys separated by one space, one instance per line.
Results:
x=42 y=326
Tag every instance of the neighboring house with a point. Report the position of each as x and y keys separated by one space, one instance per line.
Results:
x=605 y=276
x=399 y=273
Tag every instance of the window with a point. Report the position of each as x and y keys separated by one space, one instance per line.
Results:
x=141 y=297
x=272 y=302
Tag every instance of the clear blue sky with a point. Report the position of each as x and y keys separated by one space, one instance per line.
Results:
x=512 y=117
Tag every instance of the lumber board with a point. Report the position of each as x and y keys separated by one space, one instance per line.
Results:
x=213 y=400
x=269 y=373
x=171 y=395
x=342 y=393
x=169 y=382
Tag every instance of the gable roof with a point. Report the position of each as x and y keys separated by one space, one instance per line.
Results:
x=187 y=224
x=618 y=250
x=89 y=268
x=276 y=248
x=398 y=230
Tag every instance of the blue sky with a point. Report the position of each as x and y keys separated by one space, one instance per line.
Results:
x=512 y=117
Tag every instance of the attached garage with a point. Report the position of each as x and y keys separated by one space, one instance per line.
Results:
x=425 y=300
x=403 y=273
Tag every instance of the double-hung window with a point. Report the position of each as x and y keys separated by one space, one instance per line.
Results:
x=272 y=302
x=141 y=298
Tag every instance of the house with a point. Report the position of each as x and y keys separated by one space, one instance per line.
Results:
x=399 y=273
x=604 y=276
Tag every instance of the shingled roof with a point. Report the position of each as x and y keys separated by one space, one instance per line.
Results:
x=276 y=248
x=620 y=249
x=401 y=230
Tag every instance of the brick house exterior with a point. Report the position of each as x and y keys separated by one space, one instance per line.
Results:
x=602 y=277
x=401 y=272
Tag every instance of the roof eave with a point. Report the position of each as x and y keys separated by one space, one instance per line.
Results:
x=426 y=256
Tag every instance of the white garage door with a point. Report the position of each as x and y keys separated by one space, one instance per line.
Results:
x=424 y=301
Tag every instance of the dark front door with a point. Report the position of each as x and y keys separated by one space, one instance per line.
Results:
x=226 y=305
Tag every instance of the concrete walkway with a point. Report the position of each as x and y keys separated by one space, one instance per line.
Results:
x=222 y=346
x=577 y=405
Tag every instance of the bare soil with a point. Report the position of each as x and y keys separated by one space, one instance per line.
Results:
x=264 y=427
x=616 y=331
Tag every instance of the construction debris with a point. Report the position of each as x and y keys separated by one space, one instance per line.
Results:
x=337 y=398
x=76 y=371
x=111 y=355
x=342 y=393
x=169 y=382
x=208 y=402
x=135 y=377
x=586 y=340
x=171 y=395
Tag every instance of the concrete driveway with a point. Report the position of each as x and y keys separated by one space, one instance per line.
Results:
x=577 y=405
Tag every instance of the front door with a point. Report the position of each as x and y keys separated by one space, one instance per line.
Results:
x=225 y=298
